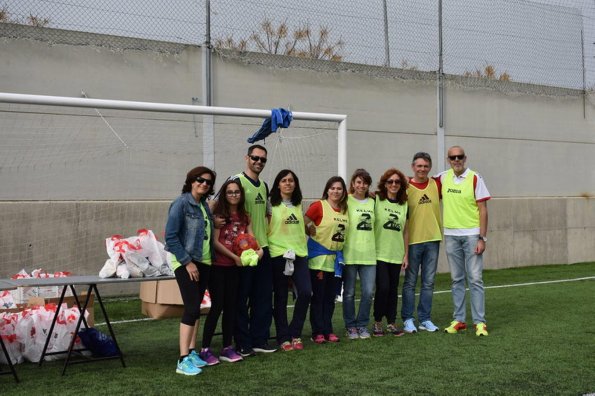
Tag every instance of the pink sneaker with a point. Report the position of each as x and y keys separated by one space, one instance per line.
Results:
x=332 y=337
x=318 y=339
x=297 y=344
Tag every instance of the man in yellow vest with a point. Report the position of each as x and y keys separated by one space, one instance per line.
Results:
x=425 y=234
x=255 y=294
x=464 y=205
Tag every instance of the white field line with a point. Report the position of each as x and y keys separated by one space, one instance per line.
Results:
x=436 y=292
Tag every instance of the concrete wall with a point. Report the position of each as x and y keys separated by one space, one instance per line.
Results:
x=534 y=146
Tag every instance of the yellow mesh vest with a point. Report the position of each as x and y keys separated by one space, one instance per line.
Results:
x=256 y=206
x=424 y=213
x=458 y=202
x=287 y=231
x=389 y=226
x=330 y=233
x=360 y=246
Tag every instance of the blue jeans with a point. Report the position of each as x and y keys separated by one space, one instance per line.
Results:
x=367 y=275
x=424 y=257
x=460 y=252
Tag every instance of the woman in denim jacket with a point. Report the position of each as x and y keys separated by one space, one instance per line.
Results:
x=188 y=238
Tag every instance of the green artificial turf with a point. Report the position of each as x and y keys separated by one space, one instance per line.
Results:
x=541 y=341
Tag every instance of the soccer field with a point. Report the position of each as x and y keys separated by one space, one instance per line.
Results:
x=542 y=341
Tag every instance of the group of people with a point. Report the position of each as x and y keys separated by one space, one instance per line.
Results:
x=351 y=232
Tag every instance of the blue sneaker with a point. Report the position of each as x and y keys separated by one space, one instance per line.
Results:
x=427 y=325
x=196 y=360
x=186 y=367
x=364 y=334
x=352 y=333
x=409 y=327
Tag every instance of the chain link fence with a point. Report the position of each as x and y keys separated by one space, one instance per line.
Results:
x=547 y=42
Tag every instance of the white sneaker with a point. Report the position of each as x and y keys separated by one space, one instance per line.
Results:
x=409 y=327
x=427 y=325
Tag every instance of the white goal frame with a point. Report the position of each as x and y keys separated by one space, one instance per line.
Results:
x=46 y=100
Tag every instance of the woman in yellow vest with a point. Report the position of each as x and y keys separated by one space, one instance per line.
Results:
x=327 y=224
x=287 y=245
x=360 y=256
x=390 y=231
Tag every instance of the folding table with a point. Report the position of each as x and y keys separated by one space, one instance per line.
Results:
x=7 y=285
x=91 y=282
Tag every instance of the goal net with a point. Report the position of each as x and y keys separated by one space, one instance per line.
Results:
x=72 y=177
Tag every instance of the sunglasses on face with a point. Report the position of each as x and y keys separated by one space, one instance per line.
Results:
x=233 y=193
x=393 y=181
x=201 y=180
x=256 y=158
x=456 y=157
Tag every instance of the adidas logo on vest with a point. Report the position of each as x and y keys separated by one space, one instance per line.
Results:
x=292 y=219
x=424 y=200
x=259 y=200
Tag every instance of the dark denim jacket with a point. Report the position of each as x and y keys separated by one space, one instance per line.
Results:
x=185 y=229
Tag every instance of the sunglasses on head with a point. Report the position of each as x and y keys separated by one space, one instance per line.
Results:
x=393 y=181
x=256 y=158
x=201 y=180
x=456 y=157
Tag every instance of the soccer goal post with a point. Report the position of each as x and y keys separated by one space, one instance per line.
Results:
x=75 y=171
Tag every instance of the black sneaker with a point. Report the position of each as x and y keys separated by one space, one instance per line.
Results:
x=264 y=348
x=246 y=352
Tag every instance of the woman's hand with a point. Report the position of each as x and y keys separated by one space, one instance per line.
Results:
x=405 y=263
x=192 y=271
x=237 y=260
x=219 y=221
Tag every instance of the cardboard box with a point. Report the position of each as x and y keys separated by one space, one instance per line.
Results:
x=161 y=311
x=162 y=299
x=161 y=292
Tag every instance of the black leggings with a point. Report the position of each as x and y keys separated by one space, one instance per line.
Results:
x=192 y=292
x=223 y=289
x=387 y=294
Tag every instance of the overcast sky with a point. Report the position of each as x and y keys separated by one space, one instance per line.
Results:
x=538 y=42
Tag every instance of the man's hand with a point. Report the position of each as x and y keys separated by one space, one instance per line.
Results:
x=480 y=247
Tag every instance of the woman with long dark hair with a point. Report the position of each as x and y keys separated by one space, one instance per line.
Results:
x=225 y=273
x=188 y=238
x=287 y=241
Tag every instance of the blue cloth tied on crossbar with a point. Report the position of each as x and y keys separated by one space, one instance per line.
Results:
x=279 y=118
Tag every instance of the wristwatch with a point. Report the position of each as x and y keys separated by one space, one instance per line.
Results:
x=485 y=239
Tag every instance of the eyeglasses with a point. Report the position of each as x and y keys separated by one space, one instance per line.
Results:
x=456 y=157
x=256 y=158
x=393 y=181
x=232 y=193
x=201 y=180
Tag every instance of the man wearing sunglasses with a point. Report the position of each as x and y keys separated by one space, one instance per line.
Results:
x=255 y=309
x=465 y=218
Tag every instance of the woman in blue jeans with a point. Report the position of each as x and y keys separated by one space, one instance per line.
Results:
x=287 y=237
x=188 y=238
x=359 y=254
